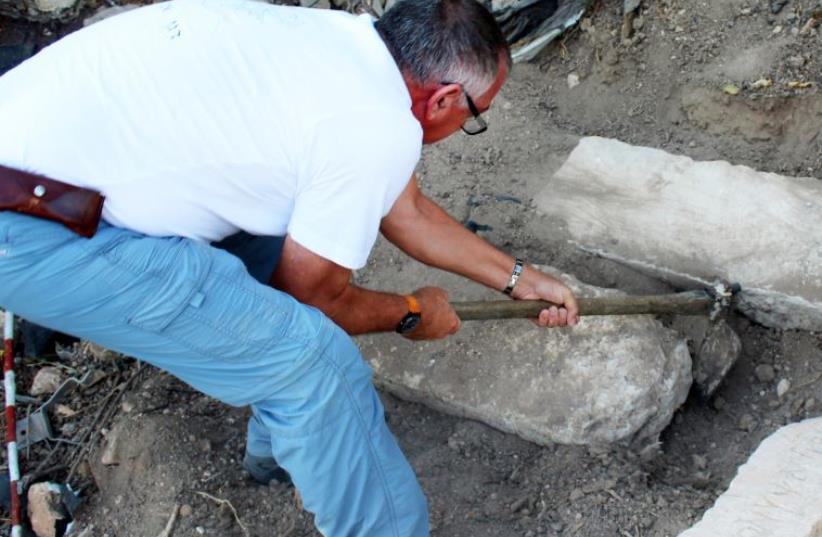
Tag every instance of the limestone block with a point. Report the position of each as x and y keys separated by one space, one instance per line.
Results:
x=693 y=222
x=607 y=380
x=777 y=493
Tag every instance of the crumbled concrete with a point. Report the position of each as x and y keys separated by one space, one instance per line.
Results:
x=692 y=222
x=608 y=380
x=777 y=493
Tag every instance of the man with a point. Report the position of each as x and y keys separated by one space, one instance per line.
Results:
x=198 y=119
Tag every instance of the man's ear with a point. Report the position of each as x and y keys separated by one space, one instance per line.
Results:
x=443 y=101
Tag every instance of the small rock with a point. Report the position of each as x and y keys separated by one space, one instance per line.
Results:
x=731 y=89
x=573 y=80
x=68 y=429
x=777 y=5
x=782 y=387
x=111 y=453
x=796 y=61
x=84 y=469
x=630 y=6
x=46 y=381
x=100 y=353
x=809 y=26
x=576 y=494
x=45 y=510
x=719 y=402
x=765 y=373
x=186 y=511
x=700 y=462
x=762 y=83
x=64 y=411
x=127 y=406
x=747 y=423
x=701 y=479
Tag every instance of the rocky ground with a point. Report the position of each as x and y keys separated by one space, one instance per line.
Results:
x=736 y=80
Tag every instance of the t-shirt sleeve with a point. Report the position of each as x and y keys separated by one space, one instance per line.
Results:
x=354 y=167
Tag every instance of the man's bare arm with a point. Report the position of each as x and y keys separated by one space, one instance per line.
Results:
x=314 y=280
x=423 y=230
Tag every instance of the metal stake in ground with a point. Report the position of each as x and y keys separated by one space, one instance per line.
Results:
x=11 y=424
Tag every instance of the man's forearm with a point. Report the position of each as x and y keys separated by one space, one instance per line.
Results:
x=427 y=233
x=361 y=311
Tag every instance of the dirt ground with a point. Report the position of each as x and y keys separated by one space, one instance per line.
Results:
x=662 y=88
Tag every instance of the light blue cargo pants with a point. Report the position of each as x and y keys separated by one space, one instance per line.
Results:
x=194 y=311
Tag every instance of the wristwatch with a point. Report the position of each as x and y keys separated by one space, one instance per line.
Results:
x=412 y=318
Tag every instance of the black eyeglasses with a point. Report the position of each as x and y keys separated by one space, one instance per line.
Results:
x=475 y=124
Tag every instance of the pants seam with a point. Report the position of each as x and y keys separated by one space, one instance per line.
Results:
x=371 y=447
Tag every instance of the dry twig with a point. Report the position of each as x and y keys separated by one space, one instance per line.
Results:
x=170 y=524
x=221 y=501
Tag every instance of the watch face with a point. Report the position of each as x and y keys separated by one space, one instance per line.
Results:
x=408 y=323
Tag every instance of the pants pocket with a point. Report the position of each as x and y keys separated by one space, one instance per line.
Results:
x=232 y=323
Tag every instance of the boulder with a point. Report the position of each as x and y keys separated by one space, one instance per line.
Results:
x=692 y=222
x=608 y=380
x=777 y=493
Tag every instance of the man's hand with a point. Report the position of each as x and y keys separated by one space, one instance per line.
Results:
x=438 y=319
x=536 y=285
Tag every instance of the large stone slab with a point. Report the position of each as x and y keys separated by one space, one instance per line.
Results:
x=777 y=493
x=693 y=222
x=607 y=380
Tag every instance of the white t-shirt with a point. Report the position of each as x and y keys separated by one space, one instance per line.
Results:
x=199 y=118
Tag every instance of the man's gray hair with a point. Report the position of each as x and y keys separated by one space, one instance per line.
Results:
x=456 y=41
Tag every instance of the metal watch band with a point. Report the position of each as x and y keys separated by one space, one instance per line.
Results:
x=515 y=274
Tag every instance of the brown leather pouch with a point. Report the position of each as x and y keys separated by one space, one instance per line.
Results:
x=77 y=208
